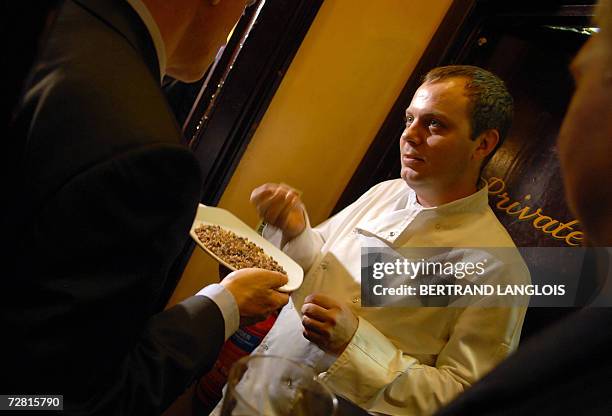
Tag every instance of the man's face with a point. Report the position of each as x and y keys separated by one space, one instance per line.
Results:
x=436 y=149
x=206 y=33
x=585 y=139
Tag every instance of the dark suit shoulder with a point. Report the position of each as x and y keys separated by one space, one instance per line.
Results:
x=91 y=96
x=93 y=76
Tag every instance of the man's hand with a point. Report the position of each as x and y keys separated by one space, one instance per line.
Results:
x=280 y=206
x=328 y=323
x=255 y=294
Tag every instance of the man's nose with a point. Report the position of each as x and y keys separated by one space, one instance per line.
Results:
x=412 y=134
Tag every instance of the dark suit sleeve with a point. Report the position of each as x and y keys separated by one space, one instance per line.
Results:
x=104 y=244
x=177 y=345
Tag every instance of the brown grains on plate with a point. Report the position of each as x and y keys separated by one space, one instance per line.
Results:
x=236 y=251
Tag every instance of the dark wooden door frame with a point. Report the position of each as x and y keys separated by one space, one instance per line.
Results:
x=241 y=86
x=457 y=32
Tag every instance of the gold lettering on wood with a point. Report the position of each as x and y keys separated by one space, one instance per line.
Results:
x=540 y=221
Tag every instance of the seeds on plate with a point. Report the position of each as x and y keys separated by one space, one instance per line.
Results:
x=237 y=251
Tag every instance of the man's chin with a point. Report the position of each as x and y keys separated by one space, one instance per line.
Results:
x=411 y=177
x=187 y=75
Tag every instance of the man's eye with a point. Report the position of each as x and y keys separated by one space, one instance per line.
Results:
x=409 y=119
x=435 y=123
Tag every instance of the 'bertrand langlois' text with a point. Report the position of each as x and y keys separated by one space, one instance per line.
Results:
x=470 y=290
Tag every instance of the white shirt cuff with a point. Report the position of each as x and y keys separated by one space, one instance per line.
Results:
x=273 y=235
x=226 y=303
x=303 y=248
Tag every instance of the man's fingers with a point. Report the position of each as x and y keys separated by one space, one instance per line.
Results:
x=261 y=197
x=278 y=299
x=315 y=312
x=276 y=205
x=264 y=278
x=272 y=280
x=267 y=190
x=262 y=192
x=314 y=325
x=321 y=300
x=263 y=206
x=292 y=202
x=314 y=337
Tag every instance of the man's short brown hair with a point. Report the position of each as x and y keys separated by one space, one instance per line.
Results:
x=491 y=105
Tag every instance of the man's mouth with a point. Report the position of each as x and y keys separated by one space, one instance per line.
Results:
x=408 y=157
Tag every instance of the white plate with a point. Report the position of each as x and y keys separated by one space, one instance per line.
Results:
x=217 y=216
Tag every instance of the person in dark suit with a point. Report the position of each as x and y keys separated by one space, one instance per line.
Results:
x=100 y=200
x=567 y=369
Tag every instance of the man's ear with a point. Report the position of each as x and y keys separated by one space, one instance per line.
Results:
x=487 y=141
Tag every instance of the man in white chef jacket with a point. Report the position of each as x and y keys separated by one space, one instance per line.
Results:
x=402 y=360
